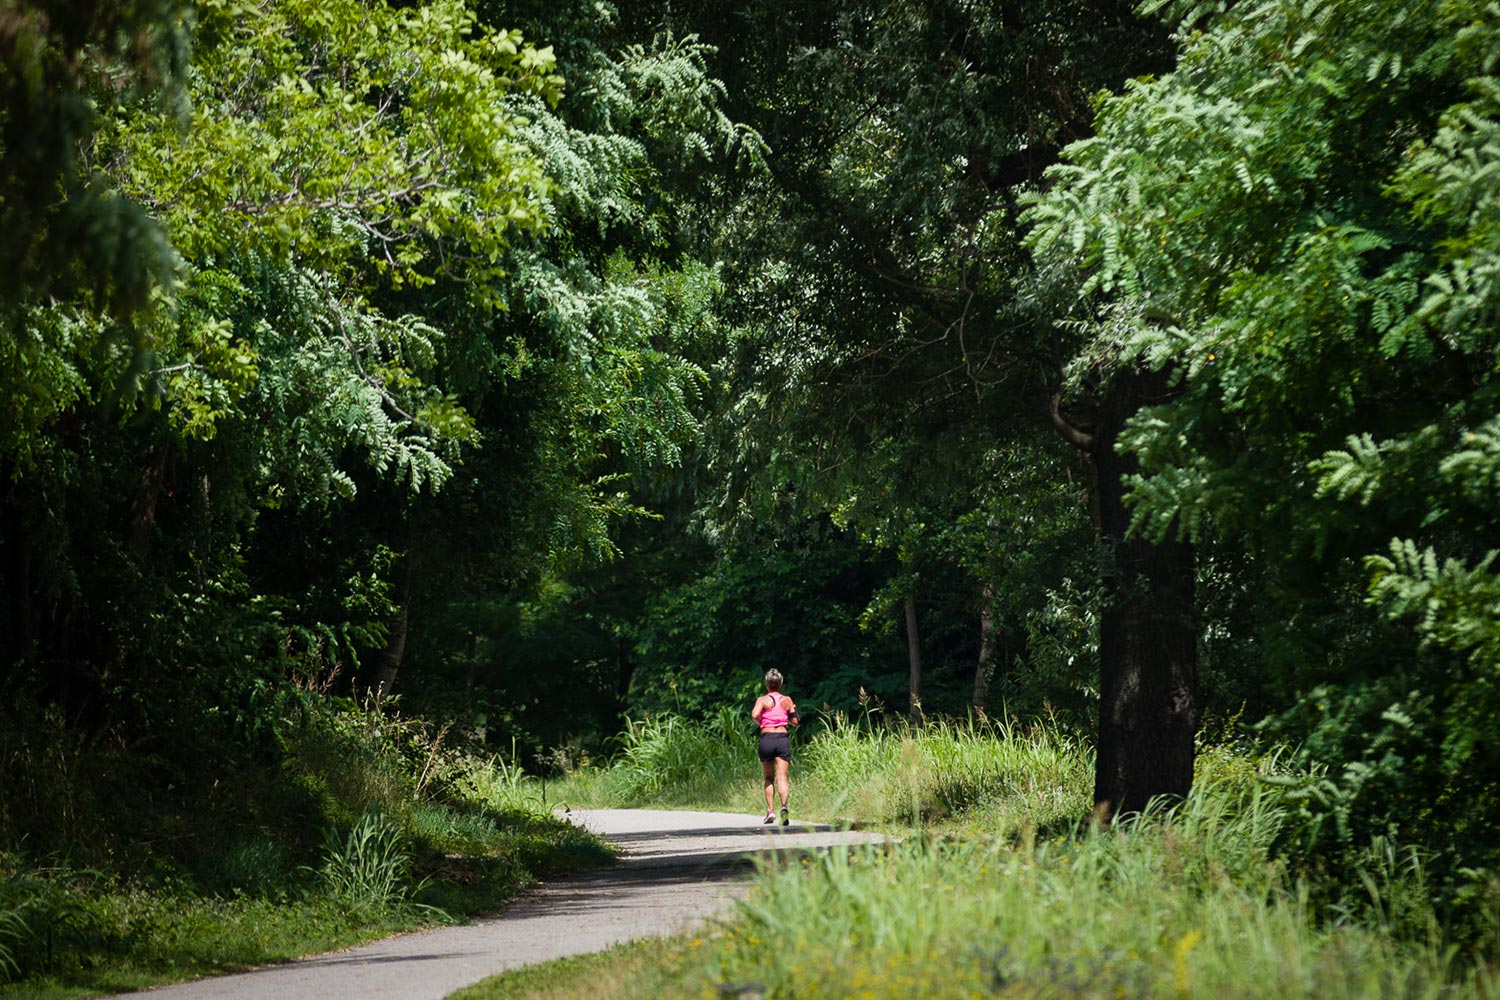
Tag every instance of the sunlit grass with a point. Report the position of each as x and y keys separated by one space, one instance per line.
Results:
x=1189 y=905
x=981 y=775
x=669 y=761
x=1000 y=887
x=984 y=775
x=651 y=967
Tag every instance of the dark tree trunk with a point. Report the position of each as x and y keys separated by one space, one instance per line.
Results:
x=15 y=568
x=1148 y=716
x=141 y=529
x=988 y=641
x=387 y=663
x=914 y=658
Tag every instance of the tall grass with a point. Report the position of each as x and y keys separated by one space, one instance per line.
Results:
x=1186 y=905
x=1013 y=893
x=668 y=760
x=13 y=930
x=499 y=784
x=854 y=771
x=983 y=772
x=368 y=870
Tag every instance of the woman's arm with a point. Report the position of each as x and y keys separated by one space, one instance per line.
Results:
x=760 y=706
x=791 y=712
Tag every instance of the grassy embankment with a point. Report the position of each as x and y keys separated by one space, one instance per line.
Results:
x=999 y=890
x=370 y=825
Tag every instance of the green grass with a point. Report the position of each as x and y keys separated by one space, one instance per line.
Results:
x=984 y=776
x=674 y=762
x=649 y=967
x=1001 y=891
x=111 y=938
x=412 y=834
x=132 y=940
x=1190 y=905
x=855 y=773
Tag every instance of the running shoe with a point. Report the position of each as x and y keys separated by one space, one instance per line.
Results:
x=770 y=817
x=784 y=819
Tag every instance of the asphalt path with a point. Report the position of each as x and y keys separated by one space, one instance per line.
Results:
x=678 y=869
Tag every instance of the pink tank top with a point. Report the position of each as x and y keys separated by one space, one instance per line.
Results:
x=774 y=716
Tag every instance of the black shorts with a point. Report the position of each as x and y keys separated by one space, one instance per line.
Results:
x=773 y=745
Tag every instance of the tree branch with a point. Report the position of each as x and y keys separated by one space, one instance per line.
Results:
x=1071 y=433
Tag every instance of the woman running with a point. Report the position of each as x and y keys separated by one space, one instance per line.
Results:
x=773 y=712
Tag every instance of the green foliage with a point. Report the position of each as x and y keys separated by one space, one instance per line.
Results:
x=310 y=383
x=1061 y=670
x=1294 y=224
x=792 y=604
x=62 y=69
x=403 y=267
x=347 y=133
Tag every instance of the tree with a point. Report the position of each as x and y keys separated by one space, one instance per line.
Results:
x=1292 y=231
x=892 y=294
x=410 y=305
x=62 y=67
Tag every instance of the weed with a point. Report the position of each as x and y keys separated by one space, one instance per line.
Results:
x=368 y=871
x=446 y=830
x=12 y=929
x=253 y=864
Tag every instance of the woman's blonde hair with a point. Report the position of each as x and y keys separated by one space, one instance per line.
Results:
x=773 y=679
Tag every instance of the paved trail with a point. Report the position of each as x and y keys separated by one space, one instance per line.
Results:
x=679 y=869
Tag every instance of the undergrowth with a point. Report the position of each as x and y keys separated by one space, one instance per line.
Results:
x=1000 y=886
x=372 y=824
x=1190 y=902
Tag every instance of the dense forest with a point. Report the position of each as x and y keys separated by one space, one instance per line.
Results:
x=527 y=368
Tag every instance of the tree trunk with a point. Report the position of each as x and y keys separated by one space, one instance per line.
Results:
x=141 y=529
x=387 y=662
x=914 y=658
x=987 y=644
x=1148 y=716
x=15 y=568
x=624 y=670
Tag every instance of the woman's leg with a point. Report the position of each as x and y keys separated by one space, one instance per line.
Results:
x=769 y=767
x=783 y=783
